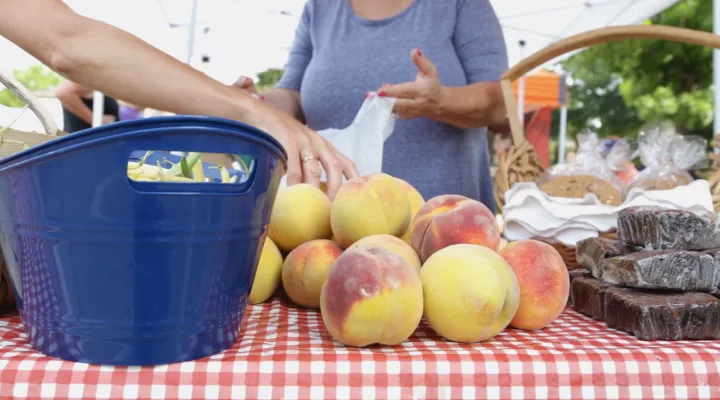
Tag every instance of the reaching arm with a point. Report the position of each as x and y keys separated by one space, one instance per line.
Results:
x=86 y=51
x=121 y=65
x=285 y=100
x=70 y=95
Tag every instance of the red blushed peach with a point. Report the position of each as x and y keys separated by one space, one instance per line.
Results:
x=544 y=283
x=371 y=296
x=304 y=270
x=451 y=219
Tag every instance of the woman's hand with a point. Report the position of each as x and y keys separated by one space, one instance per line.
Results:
x=422 y=98
x=308 y=152
x=245 y=83
x=466 y=107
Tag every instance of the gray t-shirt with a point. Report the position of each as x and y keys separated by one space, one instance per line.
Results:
x=338 y=56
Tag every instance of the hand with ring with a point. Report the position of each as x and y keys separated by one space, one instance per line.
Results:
x=308 y=152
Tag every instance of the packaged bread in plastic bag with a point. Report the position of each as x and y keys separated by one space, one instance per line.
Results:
x=589 y=172
x=667 y=157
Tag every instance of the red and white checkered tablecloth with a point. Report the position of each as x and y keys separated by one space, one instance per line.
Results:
x=286 y=353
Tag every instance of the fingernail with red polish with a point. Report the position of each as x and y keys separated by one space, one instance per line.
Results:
x=367 y=95
x=381 y=94
x=419 y=52
x=262 y=97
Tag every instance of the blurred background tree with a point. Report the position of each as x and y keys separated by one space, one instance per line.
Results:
x=268 y=78
x=616 y=87
x=37 y=77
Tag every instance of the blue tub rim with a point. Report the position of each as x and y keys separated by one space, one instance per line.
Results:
x=170 y=121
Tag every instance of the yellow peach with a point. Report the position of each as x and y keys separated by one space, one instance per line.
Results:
x=305 y=268
x=301 y=213
x=369 y=205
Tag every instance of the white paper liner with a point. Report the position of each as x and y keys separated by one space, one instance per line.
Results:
x=531 y=213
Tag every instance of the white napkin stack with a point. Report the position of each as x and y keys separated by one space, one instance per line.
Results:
x=531 y=213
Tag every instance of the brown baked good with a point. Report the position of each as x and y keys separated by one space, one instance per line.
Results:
x=665 y=182
x=577 y=186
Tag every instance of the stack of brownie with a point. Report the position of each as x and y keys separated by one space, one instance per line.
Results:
x=659 y=281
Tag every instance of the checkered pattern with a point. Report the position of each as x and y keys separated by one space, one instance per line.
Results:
x=285 y=353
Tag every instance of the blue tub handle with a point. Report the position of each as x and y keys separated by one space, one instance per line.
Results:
x=108 y=149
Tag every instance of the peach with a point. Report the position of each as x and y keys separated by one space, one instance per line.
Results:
x=544 y=282
x=452 y=219
x=267 y=276
x=502 y=244
x=470 y=292
x=394 y=244
x=371 y=296
x=416 y=201
x=371 y=205
x=301 y=213
x=305 y=269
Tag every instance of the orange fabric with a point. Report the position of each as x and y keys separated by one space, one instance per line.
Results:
x=538 y=134
x=542 y=89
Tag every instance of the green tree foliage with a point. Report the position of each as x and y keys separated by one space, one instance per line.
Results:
x=37 y=77
x=623 y=84
x=268 y=78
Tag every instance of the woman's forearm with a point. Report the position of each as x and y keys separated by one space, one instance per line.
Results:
x=75 y=105
x=473 y=106
x=116 y=63
x=285 y=100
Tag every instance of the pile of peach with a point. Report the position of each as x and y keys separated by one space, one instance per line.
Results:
x=378 y=258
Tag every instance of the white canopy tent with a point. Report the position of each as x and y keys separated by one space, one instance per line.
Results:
x=244 y=37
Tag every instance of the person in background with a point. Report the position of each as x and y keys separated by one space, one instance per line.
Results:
x=129 y=111
x=85 y=51
x=77 y=104
x=442 y=60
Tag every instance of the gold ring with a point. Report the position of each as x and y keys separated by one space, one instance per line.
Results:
x=308 y=158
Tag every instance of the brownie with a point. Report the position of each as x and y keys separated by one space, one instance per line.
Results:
x=679 y=270
x=588 y=297
x=590 y=252
x=652 y=315
x=654 y=228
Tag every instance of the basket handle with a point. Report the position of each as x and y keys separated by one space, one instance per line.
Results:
x=585 y=39
x=33 y=103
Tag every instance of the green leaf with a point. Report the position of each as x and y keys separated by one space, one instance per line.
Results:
x=185 y=168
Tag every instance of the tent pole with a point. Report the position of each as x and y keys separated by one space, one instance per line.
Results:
x=191 y=31
x=716 y=71
x=98 y=108
x=563 y=120
x=521 y=87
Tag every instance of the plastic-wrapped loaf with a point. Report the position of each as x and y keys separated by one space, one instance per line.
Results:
x=660 y=229
x=590 y=252
x=588 y=297
x=667 y=157
x=587 y=173
x=679 y=270
x=662 y=316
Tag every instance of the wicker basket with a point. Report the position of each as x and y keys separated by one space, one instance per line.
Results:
x=569 y=253
x=519 y=164
x=11 y=142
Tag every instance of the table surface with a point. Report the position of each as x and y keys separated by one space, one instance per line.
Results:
x=286 y=353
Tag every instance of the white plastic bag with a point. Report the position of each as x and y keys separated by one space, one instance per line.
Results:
x=363 y=140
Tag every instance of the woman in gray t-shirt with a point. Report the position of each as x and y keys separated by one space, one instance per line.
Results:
x=441 y=59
